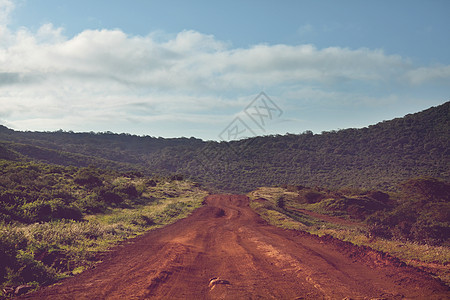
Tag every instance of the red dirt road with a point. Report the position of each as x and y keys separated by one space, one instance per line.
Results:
x=251 y=259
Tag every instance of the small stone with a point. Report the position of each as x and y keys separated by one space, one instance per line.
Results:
x=216 y=280
x=8 y=290
x=22 y=289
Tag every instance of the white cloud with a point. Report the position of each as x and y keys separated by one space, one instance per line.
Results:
x=429 y=74
x=191 y=61
x=190 y=42
x=106 y=76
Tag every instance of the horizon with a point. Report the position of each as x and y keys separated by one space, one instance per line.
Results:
x=145 y=68
x=217 y=140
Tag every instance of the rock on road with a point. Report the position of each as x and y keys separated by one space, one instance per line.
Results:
x=226 y=251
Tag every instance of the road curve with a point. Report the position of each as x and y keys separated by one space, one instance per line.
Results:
x=226 y=251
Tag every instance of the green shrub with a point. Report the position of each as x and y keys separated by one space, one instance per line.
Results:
x=140 y=188
x=91 y=204
x=281 y=202
x=151 y=183
x=44 y=211
x=426 y=189
x=176 y=177
x=110 y=197
x=17 y=266
x=11 y=241
x=30 y=270
x=127 y=189
x=60 y=210
x=313 y=196
x=87 y=176
x=379 y=196
x=376 y=229
x=421 y=214
x=5 y=217
x=37 y=211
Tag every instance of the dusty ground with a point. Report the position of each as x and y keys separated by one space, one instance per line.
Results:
x=225 y=251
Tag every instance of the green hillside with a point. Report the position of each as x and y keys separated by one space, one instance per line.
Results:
x=378 y=156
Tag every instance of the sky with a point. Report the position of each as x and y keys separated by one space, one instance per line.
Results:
x=219 y=70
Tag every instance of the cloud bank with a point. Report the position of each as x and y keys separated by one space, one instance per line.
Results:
x=99 y=78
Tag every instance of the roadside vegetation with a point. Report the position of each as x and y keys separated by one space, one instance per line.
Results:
x=412 y=224
x=57 y=221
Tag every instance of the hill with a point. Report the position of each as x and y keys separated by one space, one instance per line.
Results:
x=378 y=156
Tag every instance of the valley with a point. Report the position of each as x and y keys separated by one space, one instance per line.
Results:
x=356 y=213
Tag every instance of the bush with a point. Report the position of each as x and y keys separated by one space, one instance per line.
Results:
x=60 y=210
x=44 y=211
x=5 y=217
x=281 y=202
x=151 y=183
x=30 y=270
x=127 y=189
x=430 y=232
x=110 y=197
x=379 y=230
x=37 y=211
x=379 y=196
x=16 y=265
x=422 y=213
x=91 y=204
x=87 y=176
x=176 y=177
x=11 y=241
x=313 y=196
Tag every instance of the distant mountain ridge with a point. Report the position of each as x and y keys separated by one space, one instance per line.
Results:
x=378 y=156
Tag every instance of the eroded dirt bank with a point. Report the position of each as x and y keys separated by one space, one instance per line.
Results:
x=225 y=251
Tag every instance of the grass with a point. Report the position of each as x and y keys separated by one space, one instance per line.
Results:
x=275 y=217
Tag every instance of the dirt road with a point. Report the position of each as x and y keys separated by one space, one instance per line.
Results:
x=248 y=258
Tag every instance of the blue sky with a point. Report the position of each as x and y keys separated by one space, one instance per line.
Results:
x=190 y=68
